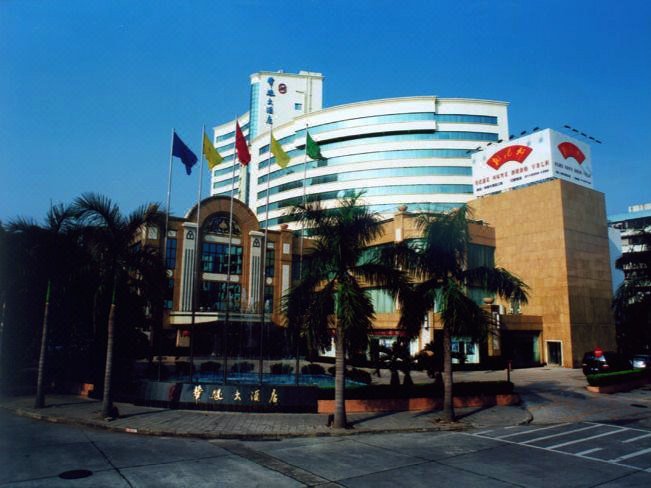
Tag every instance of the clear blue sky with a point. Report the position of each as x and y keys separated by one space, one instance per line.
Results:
x=90 y=90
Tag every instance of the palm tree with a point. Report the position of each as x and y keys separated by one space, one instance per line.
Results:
x=632 y=303
x=51 y=243
x=122 y=262
x=330 y=294
x=439 y=264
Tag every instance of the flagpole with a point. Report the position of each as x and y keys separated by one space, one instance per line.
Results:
x=197 y=249
x=300 y=260
x=228 y=258
x=263 y=260
x=167 y=218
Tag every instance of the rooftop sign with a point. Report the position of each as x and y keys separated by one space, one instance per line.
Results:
x=528 y=159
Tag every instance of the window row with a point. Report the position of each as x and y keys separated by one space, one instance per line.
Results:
x=369 y=192
x=370 y=174
x=365 y=157
x=378 y=139
x=388 y=119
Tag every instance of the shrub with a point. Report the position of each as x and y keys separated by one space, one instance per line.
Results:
x=616 y=377
x=312 y=368
x=243 y=367
x=280 y=368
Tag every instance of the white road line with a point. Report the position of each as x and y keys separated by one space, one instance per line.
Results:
x=558 y=435
x=631 y=455
x=585 y=439
x=589 y=451
x=484 y=432
x=532 y=430
x=636 y=438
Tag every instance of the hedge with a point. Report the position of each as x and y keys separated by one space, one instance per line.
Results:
x=615 y=377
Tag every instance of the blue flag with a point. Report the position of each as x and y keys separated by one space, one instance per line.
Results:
x=181 y=151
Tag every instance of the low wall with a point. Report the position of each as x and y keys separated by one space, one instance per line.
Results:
x=405 y=404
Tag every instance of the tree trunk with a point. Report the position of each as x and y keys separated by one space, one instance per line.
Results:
x=107 y=402
x=340 y=371
x=448 y=402
x=39 y=402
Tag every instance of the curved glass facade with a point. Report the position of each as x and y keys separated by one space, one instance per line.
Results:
x=403 y=148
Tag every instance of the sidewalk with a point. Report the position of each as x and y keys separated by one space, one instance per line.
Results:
x=245 y=425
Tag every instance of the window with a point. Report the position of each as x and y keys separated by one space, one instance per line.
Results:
x=219 y=223
x=382 y=301
x=214 y=258
x=170 y=254
x=168 y=298
x=269 y=263
x=268 y=298
x=218 y=297
x=298 y=106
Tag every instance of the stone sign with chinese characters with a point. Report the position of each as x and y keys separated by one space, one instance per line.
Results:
x=531 y=158
x=264 y=398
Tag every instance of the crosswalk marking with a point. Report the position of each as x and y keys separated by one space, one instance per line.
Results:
x=638 y=453
x=532 y=430
x=631 y=455
x=636 y=438
x=560 y=434
x=589 y=451
x=556 y=446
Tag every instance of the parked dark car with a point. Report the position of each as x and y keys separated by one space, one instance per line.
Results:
x=641 y=361
x=608 y=361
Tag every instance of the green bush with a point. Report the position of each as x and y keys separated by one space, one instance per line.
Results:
x=312 y=368
x=614 y=378
x=280 y=368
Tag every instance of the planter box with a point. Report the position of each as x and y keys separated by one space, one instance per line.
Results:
x=414 y=404
x=619 y=387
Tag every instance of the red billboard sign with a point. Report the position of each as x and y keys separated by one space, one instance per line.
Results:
x=569 y=150
x=510 y=153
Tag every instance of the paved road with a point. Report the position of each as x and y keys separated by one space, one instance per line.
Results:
x=34 y=454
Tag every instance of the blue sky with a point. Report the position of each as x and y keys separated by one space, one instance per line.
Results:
x=90 y=90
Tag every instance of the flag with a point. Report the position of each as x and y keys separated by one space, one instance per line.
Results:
x=181 y=151
x=281 y=156
x=212 y=156
x=240 y=145
x=312 y=149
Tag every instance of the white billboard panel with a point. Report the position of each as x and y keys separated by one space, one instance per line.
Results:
x=535 y=157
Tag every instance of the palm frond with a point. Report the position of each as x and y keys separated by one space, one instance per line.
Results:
x=498 y=280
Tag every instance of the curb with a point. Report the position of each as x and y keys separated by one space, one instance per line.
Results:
x=103 y=425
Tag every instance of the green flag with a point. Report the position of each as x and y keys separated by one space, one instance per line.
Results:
x=282 y=159
x=312 y=149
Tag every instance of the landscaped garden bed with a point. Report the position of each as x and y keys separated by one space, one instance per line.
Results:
x=387 y=398
x=617 y=381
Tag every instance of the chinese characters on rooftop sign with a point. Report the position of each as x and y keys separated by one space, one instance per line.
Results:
x=535 y=157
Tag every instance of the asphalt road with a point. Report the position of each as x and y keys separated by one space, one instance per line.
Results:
x=34 y=453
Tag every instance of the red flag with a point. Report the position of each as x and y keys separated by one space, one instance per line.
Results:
x=240 y=145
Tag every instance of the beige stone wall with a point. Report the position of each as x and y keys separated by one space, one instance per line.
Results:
x=554 y=236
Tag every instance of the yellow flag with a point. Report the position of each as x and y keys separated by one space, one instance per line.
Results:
x=212 y=156
x=281 y=156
